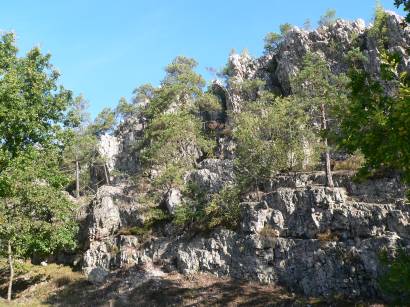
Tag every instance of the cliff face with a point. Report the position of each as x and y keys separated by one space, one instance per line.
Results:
x=331 y=42
x=300 y=234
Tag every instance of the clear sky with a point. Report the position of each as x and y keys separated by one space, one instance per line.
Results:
x=105 y=48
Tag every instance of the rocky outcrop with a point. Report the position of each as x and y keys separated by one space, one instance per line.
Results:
x=110 y=212
x=108 y=148
x=332 y=42
x=311 y=239
x=173 y=199
x=212 y=175
x=298 y=233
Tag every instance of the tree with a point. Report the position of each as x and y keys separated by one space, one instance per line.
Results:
x=80 y=151
x=126 y=110
x=328 y=18
x=104 y=122
x=173 y=139
x=321 y=92
x=143 y=94
x=376 y=122
x=272 y=41
x=32 y=106
x=379 y=29
x=285 y=28
x=35 y=217
x=307 y=25
x=270 y=136
x=78 y=116
x=81 y=145
x=180 y=87
x=406 y=7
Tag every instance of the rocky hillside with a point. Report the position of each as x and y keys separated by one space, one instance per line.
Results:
x=295 y=232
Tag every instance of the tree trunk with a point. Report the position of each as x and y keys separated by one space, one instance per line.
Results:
x=77 y=179
x=329 y=178
x=11 y=268
x=107 y=177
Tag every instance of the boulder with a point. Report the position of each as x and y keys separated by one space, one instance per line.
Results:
x=173 y=199
x=212 y=175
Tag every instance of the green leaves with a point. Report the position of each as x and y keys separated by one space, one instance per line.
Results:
x=31 y=104
x=376 y=122
x=396 y=281
x=270 y=136
x=104 y=122
x=406 y=7
x=35 y=215
x=328 y=18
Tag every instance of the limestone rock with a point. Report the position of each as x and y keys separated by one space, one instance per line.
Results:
x=173 y=200
x=105 y=214
x=108 y=148
x=212 y=175
x=97 y=275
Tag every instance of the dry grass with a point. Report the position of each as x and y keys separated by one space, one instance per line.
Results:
x=353 y=163
x=269 y=232
x=34 y=284
x=327 y=236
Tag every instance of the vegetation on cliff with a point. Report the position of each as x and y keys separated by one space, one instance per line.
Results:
x=49 y=145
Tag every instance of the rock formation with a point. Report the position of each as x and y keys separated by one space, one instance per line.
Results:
x=300 y=234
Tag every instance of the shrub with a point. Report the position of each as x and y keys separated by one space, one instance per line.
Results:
x=396 y=281
x=224 y=209
x=353 y=163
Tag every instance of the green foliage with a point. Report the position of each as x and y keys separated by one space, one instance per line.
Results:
x=379 y=29
x=315 y=85
x=406 y=7
x=209 y=103
x=171 y=144
x=328 y=19
x=172 y=138
x=376 y=123
x=224 y=209
x=272 y=41
x=125 y=110
x=77 y=116
x=285 y=28
x=143 y=94
x=181 y=85
x=321 y=93
x=181 y=71
x=204 y=212
x=249 y=89
x=32 y=106
x=82 y=147
x=356 y=58
x=104 y=122
x=396 y=281
x=270 y=136
x=35 y=216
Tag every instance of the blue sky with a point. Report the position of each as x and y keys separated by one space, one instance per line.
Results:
x=104 y=48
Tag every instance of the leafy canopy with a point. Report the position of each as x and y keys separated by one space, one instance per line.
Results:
x=378 y=123
x=270 y=136
x=32 y=106
x=35 y=216
x=328 y=18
